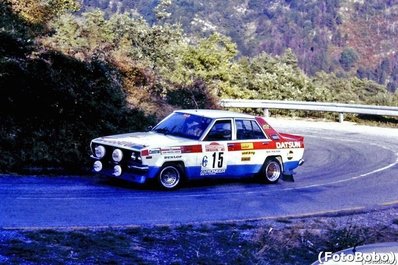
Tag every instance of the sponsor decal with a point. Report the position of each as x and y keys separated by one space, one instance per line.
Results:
x=214 y=147
x=266 y=127
x=282 y=145
x=173 y=150
x=137 y=146
x=248 y=153
x=154 y=151
x=290 y=155
x=192 y=149
x=246 y=146
x=120 y=143
x=173 y=157
x=246 y=158
x=273 y=151
x=207 y=172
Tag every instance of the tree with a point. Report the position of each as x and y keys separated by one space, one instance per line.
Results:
x=161 y=10
x=290 y=58
x=41 y=11
x=348 y=58
x=210 y=59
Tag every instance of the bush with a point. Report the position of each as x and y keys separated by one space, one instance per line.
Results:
x=193 y=96
x=52 y=106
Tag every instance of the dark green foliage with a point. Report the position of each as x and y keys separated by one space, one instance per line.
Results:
x=16 y=34
x=11 y=46
x=348 y=58
x=52 y=106
x=195 y=96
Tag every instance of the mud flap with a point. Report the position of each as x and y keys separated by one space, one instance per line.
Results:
x=288 y=178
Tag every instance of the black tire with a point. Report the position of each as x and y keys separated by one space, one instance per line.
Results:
x=170 y=177
x=271 y=171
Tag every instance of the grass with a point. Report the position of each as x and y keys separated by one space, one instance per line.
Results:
x=281 y=241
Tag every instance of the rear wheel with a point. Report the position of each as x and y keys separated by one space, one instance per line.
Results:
x=271 y=171
x=170 y=177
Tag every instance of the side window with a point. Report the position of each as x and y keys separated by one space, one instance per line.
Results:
x=221 y=131
x=248 y=129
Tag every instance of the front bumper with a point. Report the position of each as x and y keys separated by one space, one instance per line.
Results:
x=131 y=172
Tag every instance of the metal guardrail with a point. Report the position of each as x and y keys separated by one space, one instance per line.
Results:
x=313 y=106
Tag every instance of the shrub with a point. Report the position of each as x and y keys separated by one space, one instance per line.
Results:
x=52 y=106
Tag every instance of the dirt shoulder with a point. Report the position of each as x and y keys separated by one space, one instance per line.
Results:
x=275 y=241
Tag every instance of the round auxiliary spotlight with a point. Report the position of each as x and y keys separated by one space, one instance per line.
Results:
x=117 y=155
x=117 y=171
x=97 y=166
x=99 y=151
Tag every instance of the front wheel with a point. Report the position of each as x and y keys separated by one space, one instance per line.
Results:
x=169 y=177
x=271 y=171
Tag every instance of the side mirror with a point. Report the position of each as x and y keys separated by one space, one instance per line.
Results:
x=149 y=128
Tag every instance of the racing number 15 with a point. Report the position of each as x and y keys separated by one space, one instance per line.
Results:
x=219 y=159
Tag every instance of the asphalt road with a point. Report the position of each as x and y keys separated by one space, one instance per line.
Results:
x=347 y=168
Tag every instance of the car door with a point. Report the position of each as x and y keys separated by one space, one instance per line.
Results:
x=248 y=149
x=215 y=155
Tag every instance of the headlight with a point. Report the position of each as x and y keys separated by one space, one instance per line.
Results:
x=117 y=155
x=99 y=151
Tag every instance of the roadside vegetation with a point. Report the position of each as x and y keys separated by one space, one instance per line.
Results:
x=346 y=37
x=68 y=76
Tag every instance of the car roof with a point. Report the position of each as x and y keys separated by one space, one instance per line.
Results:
x=214 y=114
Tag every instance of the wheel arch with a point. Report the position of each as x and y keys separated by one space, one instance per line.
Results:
x=179 y=163
x=262 y=175
x=277 y=157
x=170 y=180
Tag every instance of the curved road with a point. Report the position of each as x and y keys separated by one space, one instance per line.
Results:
x=347 y=168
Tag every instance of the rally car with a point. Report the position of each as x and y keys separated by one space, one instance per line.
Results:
x=190 y=144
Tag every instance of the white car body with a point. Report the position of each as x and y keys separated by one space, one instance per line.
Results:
x=228 y=144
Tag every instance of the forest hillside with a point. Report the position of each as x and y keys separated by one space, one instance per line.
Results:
x=69 y=73
x=346 y=37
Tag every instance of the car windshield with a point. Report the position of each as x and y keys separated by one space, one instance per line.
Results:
x=183 y=125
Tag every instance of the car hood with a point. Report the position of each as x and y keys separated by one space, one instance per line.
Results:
x=140 y=140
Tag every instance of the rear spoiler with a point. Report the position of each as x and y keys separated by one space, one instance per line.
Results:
x=276 y=135
x=292 y=137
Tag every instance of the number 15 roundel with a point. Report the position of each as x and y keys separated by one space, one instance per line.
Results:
x=214 y=159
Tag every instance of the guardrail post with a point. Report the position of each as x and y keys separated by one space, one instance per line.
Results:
x=266 y=113
x=341 y=117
